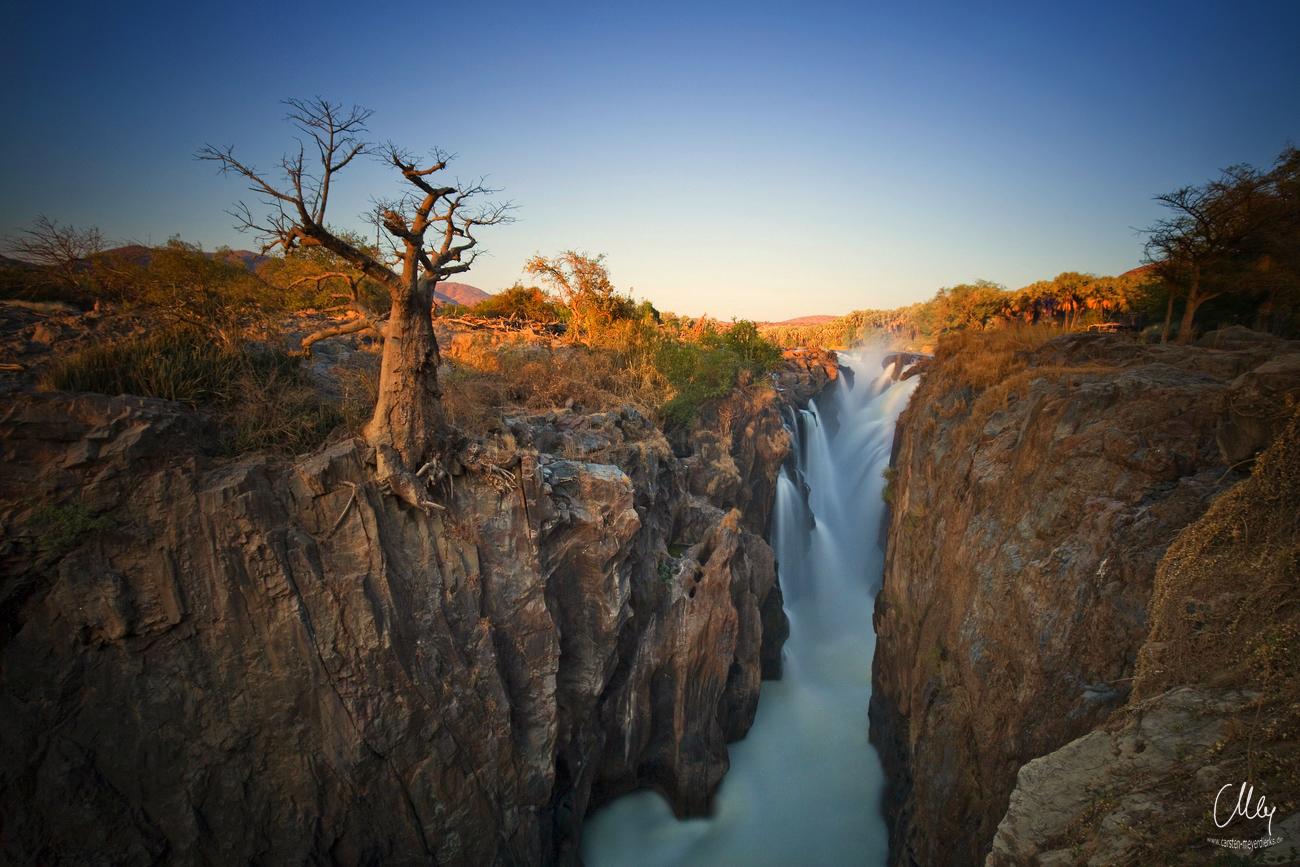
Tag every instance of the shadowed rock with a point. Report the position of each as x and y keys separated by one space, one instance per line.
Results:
x=1023 y=546
x=276 y=661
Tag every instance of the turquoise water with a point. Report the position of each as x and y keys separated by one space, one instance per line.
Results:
x=805 y=784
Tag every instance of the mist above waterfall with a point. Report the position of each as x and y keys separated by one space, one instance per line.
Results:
x=804 y=784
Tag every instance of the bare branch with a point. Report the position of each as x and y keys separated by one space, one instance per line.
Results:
x=229 y=164
x=62 y=248
x=405 y=163
x=353 y=327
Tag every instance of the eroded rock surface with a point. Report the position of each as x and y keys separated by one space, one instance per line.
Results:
x=1202 y=764
x=1026 y=532
x=276 y=661
x=1135 y=792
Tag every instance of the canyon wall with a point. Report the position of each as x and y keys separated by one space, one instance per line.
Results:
x=270 y=660
x=1213 y=719
x=1030 y=513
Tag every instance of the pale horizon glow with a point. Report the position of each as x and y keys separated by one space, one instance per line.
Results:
x=752 y=160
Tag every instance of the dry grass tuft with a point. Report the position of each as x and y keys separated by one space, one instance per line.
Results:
x=260 y=399
x=281 y=413
x=482 y=382
x=976 y=372
x=1225 y=612
x=995 y=397
x=1227 y=594
x=983 y=358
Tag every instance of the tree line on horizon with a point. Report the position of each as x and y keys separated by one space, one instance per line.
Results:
x=236 y=292
x=1228 y=253
x=1070 y=300
x=210 y=305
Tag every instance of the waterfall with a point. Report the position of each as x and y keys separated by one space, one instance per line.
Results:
x=805 y=785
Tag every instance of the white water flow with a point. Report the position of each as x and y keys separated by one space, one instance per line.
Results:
x=805 y=785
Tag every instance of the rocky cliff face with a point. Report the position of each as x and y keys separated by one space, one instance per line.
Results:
x=276 y=661
x=1213 y=717
x=1029 y=518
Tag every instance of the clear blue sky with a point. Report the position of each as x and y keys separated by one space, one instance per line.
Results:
x=758 y=160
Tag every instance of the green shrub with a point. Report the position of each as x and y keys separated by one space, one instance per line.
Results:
x=528 y=303
x=64 y=526
x=617 y=353
x=216 y=293
x=700 y=372
x=23 y=283
x=316 y=278
x=758 y=355
x=697 y=374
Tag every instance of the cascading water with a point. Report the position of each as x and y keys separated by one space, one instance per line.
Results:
x=805 y=784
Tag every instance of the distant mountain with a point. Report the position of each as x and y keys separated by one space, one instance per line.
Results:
x=252 y=261
x=136 y=254
x=139 y=254
x=460 y=293
x=448 y=293
x=801 y=320
x=1140 y=271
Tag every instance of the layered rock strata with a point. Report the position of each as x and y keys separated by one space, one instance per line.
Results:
x=276 y=661
x=1028 y=522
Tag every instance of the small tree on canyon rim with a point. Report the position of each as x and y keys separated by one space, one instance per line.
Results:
x=431 y=226
x=1234 y=235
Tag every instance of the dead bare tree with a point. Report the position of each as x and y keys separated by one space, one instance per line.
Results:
x=431 y=226
x=63 y=249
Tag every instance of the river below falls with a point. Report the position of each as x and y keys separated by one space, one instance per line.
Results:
x=805 y=784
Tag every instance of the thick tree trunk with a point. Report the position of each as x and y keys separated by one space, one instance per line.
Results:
x=1185 y=327
x=1169 y=318
x=1194 y=300
x=408 y=414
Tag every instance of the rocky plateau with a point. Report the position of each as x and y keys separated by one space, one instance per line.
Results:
x=273 y=660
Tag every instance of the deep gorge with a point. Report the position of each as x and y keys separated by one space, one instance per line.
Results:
x=804 y=785
x=272 y=660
